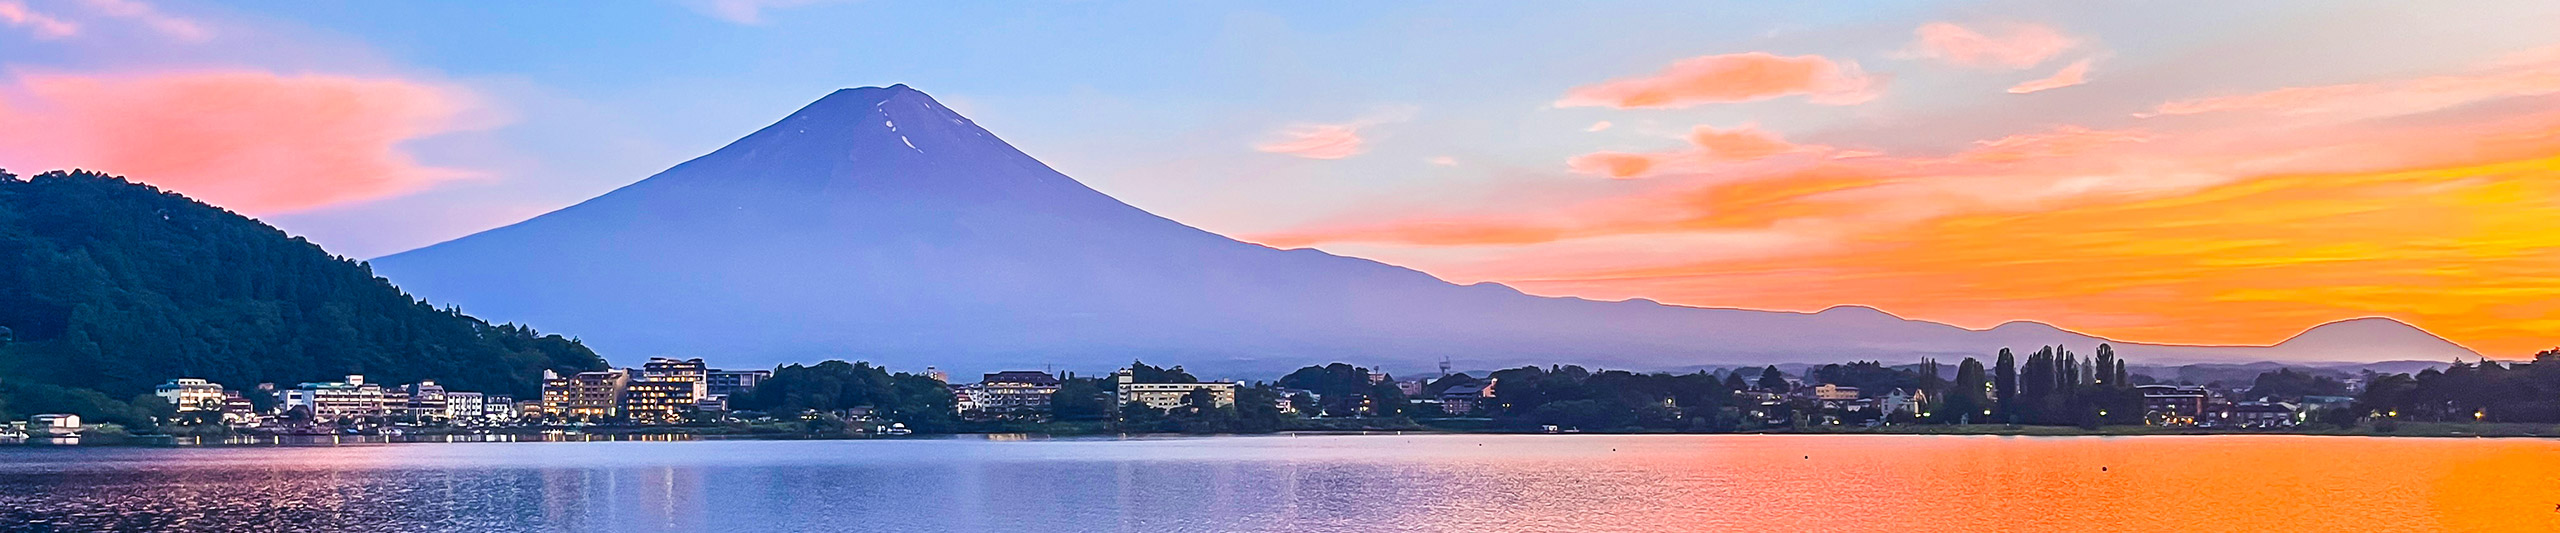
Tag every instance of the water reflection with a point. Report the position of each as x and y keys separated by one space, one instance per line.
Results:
x=1355 y=483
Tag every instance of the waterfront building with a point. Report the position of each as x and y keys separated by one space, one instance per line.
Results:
x=237 y=410
x=585 y=395
x=499 y=408
x=2173 y=405
x=2259 y=415
x=469 y=407
x=650 y=401
x=1468 y=398
x=191 y=394
x=331 y=401
x=427 y=400
x=1834 y=393
x=1902 y=401
x=57 y=425
x=688 y=371
x=1009 y=394
x=1170 y=395
x=395 y=404
x=734 y=382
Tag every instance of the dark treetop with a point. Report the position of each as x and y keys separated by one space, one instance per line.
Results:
x=115 y=287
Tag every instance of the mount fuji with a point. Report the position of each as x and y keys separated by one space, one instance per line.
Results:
x=876 y=224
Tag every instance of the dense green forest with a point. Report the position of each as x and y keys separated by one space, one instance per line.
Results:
x=109 y=288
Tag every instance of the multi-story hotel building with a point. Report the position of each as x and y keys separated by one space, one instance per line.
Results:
x=650 y=401
x=465 y=406
x=499 y=408
x=1170 y=395
x=337 y=400
x=584 y=396
x=690 y=372
x=191 y=394
x=732 y=382
x=1019 y=393
x=427 y=400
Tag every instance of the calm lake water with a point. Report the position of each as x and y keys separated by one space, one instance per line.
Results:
x=1454 y=483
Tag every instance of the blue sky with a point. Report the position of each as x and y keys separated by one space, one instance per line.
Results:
x=1441 y=135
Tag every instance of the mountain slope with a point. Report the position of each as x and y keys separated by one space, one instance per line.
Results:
x=117 y=287
x=877 y=224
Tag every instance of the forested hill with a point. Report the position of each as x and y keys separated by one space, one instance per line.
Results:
x=117 y=287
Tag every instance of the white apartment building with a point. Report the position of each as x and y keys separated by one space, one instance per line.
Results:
x=336 y=400
x=465 y=406
x=191 y=394
x=1170 y=395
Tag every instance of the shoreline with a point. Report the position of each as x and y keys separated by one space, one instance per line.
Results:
x=2406 y=430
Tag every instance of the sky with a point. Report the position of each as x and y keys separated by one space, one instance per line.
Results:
x=2181 y=172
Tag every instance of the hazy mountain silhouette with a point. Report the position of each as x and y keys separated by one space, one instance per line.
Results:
x=877 y=224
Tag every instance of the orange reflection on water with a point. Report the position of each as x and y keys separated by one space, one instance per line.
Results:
x=1931 y=483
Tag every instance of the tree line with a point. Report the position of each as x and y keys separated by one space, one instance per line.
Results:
x=2487 y=391
x=109 y=288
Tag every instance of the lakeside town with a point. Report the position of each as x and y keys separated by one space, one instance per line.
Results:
x=665 y=396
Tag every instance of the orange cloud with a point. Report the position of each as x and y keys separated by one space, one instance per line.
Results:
x=2016 y=46
x=1710 y=146
x=2074 y=74
x=2237 y=231
x=1730 y=78
x=1318 y=141
x=44 y=26
x=2463 y=251
x=255 y=142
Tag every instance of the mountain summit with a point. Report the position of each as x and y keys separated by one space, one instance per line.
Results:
x=878 y=224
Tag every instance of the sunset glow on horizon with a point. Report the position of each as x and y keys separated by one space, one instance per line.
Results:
x=2106 y=169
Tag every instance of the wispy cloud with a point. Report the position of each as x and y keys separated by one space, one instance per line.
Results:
x=2007 y=46
x=1728 y=78
x=2076 y=73
x=150 y=16
x=2531 y=73
x=42 y=25
x=1330 y=140
x=1318 y=141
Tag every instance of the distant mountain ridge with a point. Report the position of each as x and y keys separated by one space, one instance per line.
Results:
x=877 y=224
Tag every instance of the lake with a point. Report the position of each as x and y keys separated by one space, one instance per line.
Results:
x=1453 y=483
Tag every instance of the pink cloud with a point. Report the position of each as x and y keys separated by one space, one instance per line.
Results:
x=1708 y=147
x=1727 y=78
x=2074 y=74
x=2532 y=73
x=1598 y=126
x=255 y=142
x=44 y=26
x=2015 y=46
x=1318 y=141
